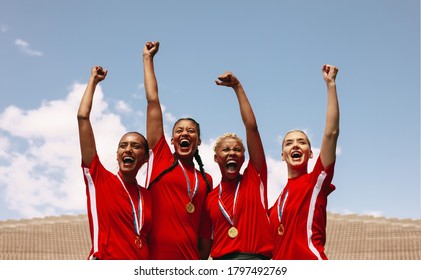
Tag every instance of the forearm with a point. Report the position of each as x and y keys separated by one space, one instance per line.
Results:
x=151 y=84
x=332 y=112
x=85 y=106
x=246 y=111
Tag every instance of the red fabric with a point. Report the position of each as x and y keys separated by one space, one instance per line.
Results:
x=175 y=232
x=304 y=216
x=251 y=218
x=111 y=216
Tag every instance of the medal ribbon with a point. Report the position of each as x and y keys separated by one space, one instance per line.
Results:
x=281 y=204
x=196 y=184
x=222 y=206
x=138 y=222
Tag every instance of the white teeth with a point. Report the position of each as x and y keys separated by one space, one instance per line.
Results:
x=296 y=155
x=231 y=165
x=128 y=160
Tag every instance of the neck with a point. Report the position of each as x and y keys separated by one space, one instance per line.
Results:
x=294 y=173
x=187 y=162
x=235 y=179
x=127 y=178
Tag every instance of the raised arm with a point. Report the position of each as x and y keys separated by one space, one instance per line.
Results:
x=154 y=121
x=331 y=133
x=86 y=134
x=254 y=142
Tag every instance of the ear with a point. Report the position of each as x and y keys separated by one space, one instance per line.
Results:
x=199 y=142
x=172 y=141
x=311 y=154
x=146 y=158
x=282 y=157
x=215 y=158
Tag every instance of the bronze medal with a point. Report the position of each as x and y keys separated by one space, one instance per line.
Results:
x=281 y=230
x=138 y=242
x=190 y=207
x=232 y=232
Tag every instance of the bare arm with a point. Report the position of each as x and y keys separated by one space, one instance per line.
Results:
x=205 y=246
x=154 y=123
x=331 y=133
x=254 y=142
x=86 y=134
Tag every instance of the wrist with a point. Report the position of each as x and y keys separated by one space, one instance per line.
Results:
x=330 y=84
x=148 y=56
x=94 y=80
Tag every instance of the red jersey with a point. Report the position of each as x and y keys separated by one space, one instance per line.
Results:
x=298 y=217
x=245 y=203
x=111 y=215
x=175 y=232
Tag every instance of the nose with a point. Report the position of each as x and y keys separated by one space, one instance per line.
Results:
x=128 y=149
x=232 y=152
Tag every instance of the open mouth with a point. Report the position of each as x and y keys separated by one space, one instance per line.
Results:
x=128 y=160
x=184 y=143
x=231 y=165
x=296 y=155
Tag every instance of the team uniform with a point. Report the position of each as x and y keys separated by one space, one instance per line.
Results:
x=298 y=217
x=175 y=231
x=242 y=205
x=113 y=209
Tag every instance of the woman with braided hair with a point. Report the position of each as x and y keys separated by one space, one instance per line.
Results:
x=178 y=190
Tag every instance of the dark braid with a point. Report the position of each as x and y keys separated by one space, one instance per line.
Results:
x=173 y=165
x=202 y=170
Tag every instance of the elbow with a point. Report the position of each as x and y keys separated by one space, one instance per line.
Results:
x=82 y=117
x=332 y=134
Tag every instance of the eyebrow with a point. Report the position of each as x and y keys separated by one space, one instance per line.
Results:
x=292 y=139
x=131 y=142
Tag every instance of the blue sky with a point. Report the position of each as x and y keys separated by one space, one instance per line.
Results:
x=276 y=49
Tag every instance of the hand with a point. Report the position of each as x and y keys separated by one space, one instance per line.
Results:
x=329 y=73
x=150 y=48
x=227 y=79
x=98 y=73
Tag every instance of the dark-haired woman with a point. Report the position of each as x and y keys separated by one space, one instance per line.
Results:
x=119 y=210
x=177 y=188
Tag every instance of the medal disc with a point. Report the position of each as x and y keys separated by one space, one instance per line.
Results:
x=190 y=207
x=232 y=232
x=138 y=242
x=281 y=230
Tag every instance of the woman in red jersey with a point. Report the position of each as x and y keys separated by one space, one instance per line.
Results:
x=178 y=190
x=238 y=207
x=119 y=210
x=298 y=217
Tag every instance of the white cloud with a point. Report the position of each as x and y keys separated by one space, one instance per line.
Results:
x=26 y=49
x=4 y=146
x=43 y=177
x=123 y=107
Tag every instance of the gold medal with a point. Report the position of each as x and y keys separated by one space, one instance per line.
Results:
x=232 y=232
x=281 y=230
x=138 y=242
x=190 y=207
